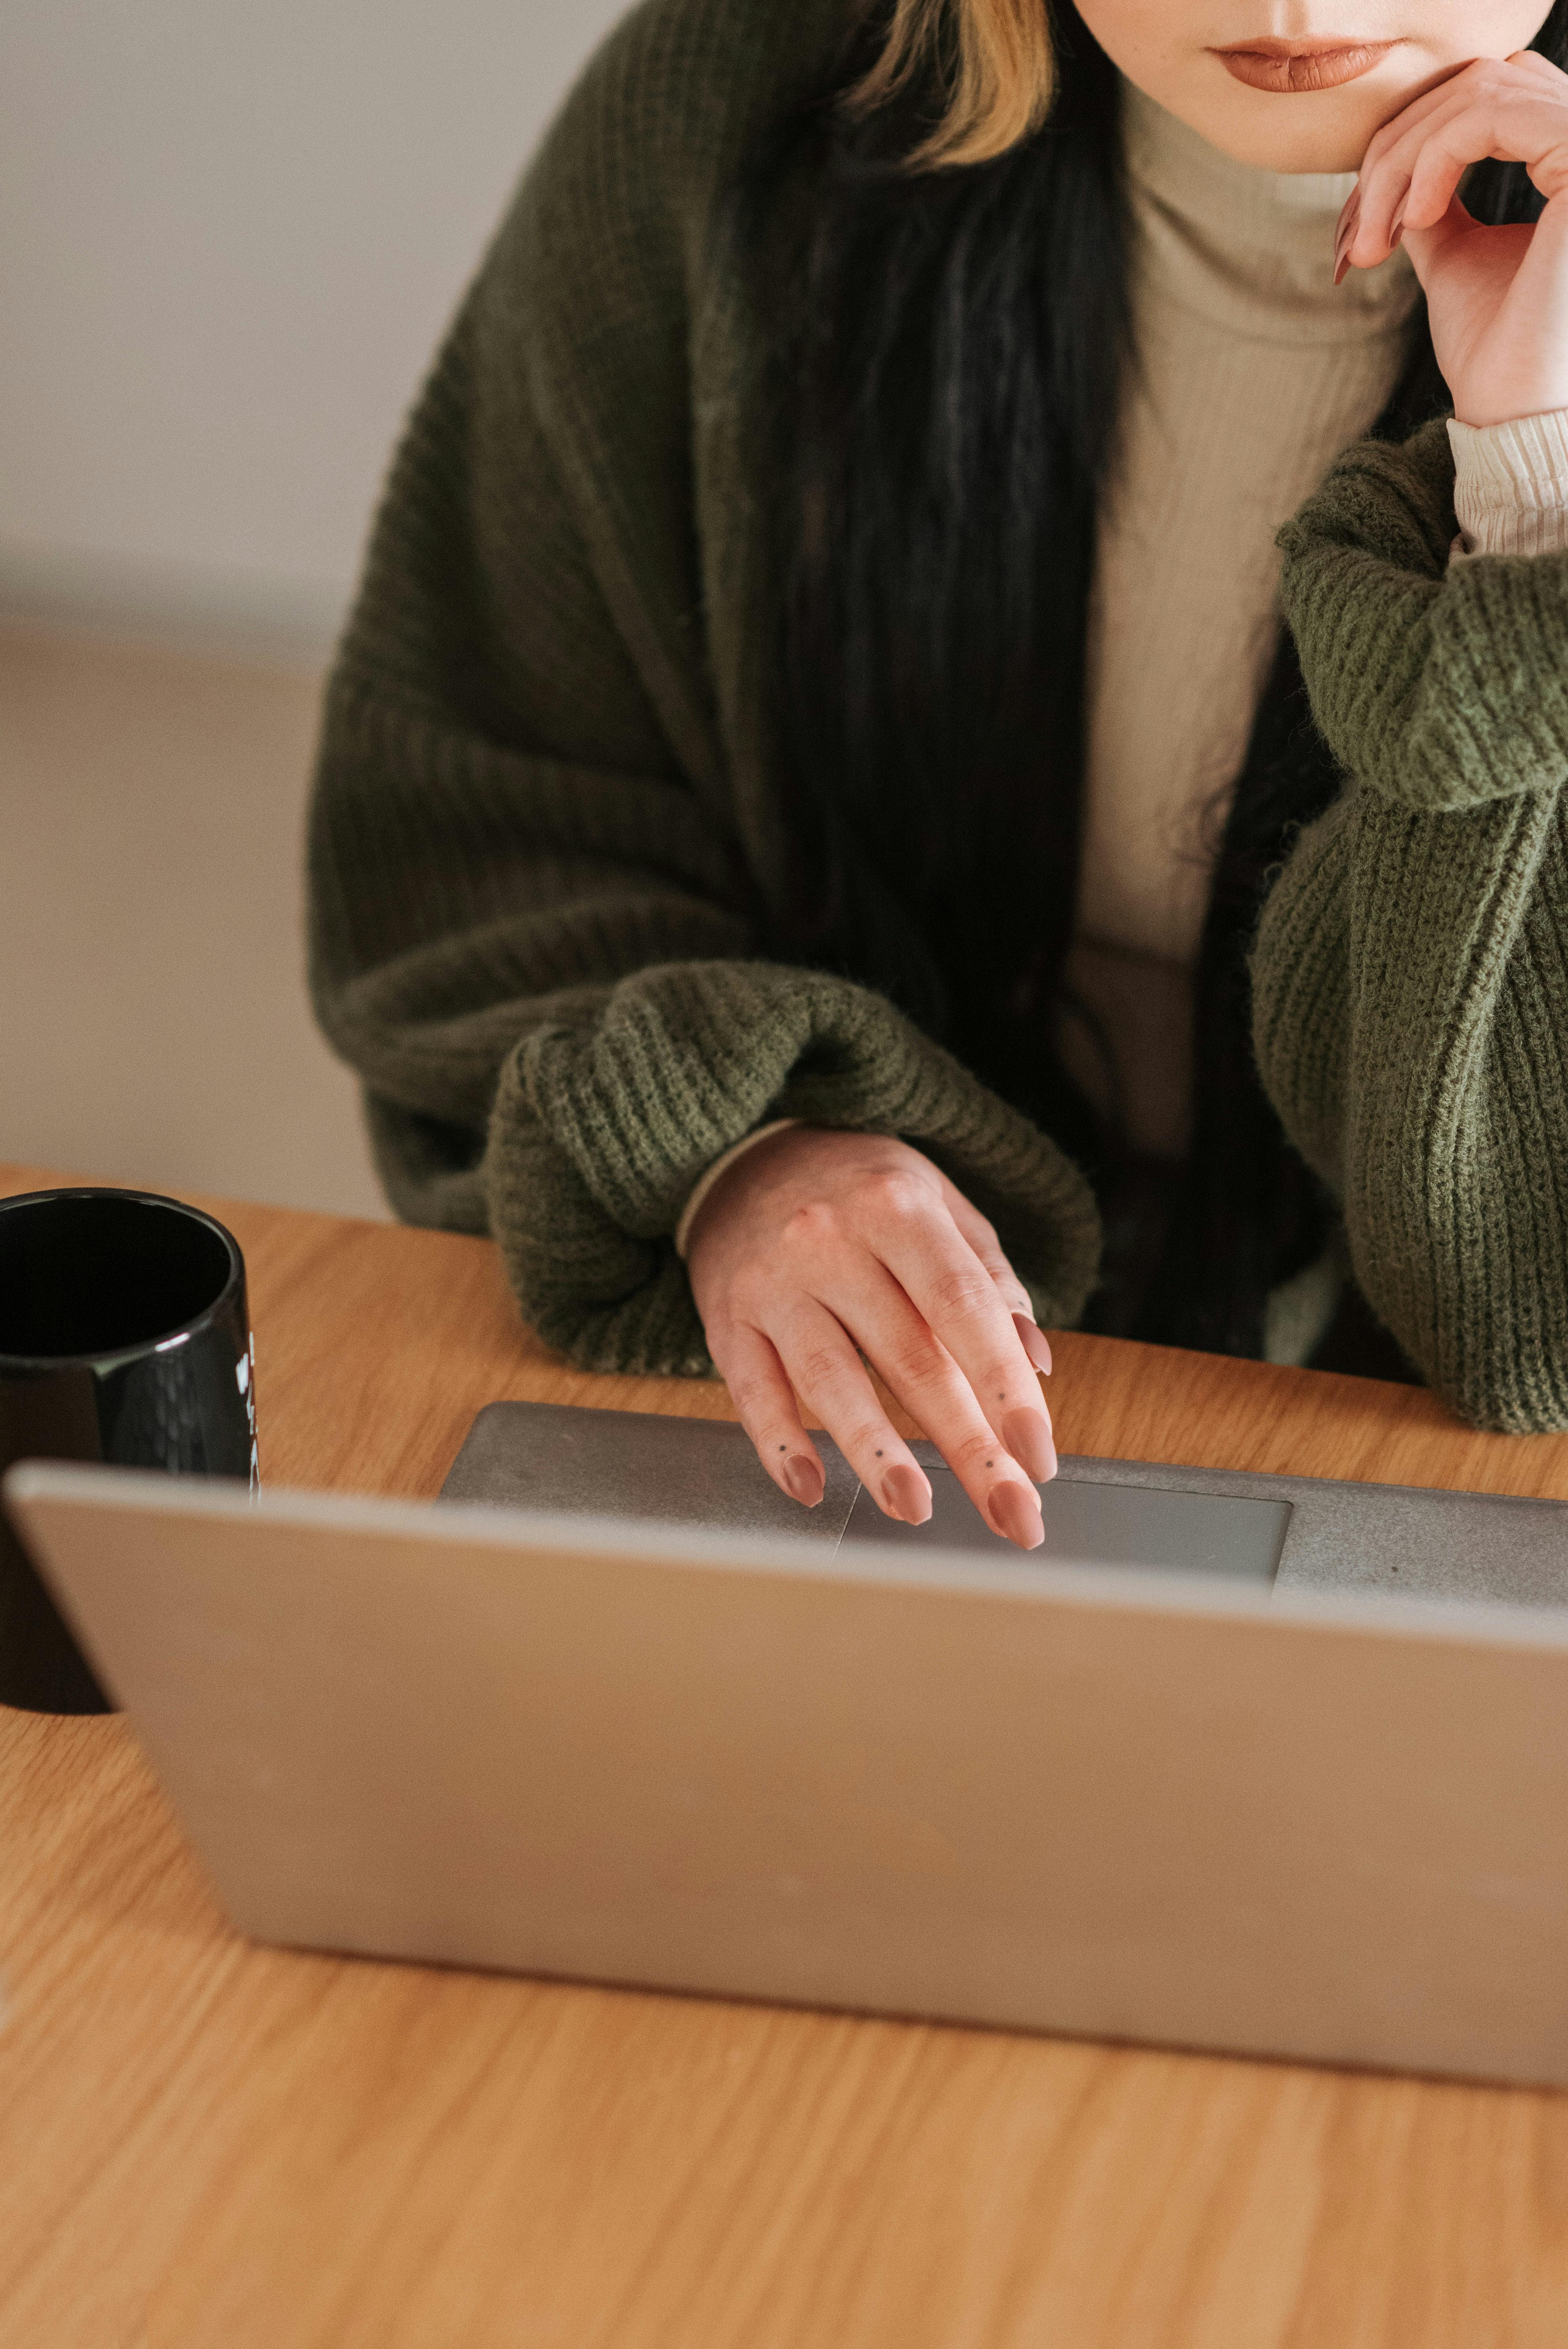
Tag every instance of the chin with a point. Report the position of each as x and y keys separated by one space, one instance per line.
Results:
x=1329 y=130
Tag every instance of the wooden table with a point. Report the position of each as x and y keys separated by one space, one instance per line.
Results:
x=202 y=2143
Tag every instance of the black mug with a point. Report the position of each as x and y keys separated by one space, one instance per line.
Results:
x=124 y=1337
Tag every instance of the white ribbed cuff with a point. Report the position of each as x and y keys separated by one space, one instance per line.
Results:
x=705 y=1182
x=1510 y=486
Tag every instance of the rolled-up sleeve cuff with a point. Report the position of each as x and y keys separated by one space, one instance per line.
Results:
x=1510 y=486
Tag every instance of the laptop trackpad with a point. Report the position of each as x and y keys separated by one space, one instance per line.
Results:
x=652 y=1470
x=1101 y=1525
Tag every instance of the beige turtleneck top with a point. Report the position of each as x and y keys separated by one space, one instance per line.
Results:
x=1254 y=371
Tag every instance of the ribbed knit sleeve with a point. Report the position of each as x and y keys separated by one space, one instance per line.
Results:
x=1410 y=973
x=542 y=829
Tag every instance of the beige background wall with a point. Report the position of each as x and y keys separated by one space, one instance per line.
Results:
x=153 y=1022
x=231 y=238
x=233 y=231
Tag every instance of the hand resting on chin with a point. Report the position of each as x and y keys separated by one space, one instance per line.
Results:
x=1497 y=297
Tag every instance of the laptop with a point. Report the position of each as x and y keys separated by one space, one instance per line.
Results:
x=1252 y=1764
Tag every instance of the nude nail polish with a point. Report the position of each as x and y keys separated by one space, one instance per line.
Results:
x=906 y=1496
x=1027 y=1436
x=1349 y=220
x=1035 y=1342
x=806 y=1478
x=1016 y=1512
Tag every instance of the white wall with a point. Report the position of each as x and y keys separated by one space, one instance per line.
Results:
x=153 y=1022
x=233 y=231
x=231 y=235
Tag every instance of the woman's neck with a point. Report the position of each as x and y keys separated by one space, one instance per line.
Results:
x=1252 y=249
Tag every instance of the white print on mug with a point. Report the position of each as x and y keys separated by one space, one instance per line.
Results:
x=244 y=1380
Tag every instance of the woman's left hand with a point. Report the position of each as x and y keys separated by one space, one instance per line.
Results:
x=1497 y=297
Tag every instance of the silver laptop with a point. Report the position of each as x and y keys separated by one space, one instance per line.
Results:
x=1240 y=1763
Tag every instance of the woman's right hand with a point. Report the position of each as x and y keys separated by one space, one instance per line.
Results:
x=816 y=1247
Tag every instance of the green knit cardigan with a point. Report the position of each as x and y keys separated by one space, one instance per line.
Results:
x=544 y=821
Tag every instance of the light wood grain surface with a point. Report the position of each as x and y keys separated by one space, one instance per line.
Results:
x=206 y=2143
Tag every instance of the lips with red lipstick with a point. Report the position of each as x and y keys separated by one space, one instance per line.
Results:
x=1296 y=69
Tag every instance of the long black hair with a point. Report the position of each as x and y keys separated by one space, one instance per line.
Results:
x=946 y=370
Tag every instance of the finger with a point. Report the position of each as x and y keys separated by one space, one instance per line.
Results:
x=819 y=1357
x=1410 y=116
x=880 y=1316
x=1531 y=61
x=1494 y=109
x=1436 y=172
x=954 y=1295
x=981 y=1237
x=1037 y=1345
x=1388 y=164
x=829 y=1375
x=749 y=1366
x=1383 y=189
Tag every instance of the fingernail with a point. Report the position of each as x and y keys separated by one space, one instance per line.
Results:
x=1016 y=1512
x=907 y=1495
x=806 y=1478
x=1035 y=1342
x=1349 y=220
x=1027 y=1436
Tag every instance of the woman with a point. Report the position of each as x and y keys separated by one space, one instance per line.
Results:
x=817 y=813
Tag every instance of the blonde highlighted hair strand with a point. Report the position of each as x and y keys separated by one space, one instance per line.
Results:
x=991 y=58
